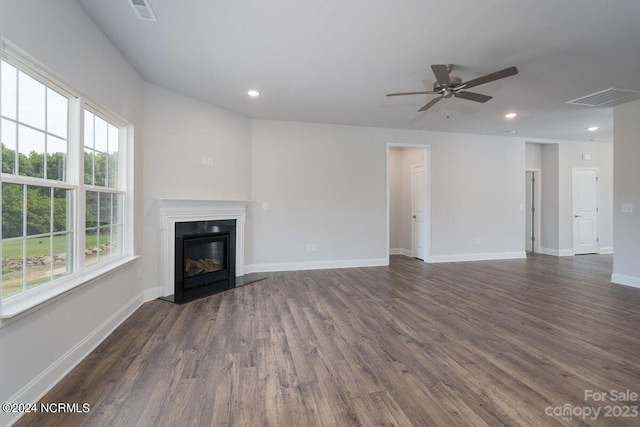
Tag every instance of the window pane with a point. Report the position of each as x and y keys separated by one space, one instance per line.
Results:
x=116 y=214
x=105 y=209
x=38 y=210
x=8 y=90
x=31 y=101
x=88 y=129
x=56 y=158
x=91 y=210
x=101 y=135
x=38 y=261
x=12 y=267
x=57 y=108
x=62 y=210
x=62 y=255
x=12 y=211
x=8 y=147
x=114 y=145
x=31 y=152
x=91 y=247
x=100 y=170
x=105 y=243
x=116 y=240
x=88 y=166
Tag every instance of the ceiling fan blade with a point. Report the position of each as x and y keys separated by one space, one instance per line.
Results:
x=430 y=103
x=511 y=71
x=441 y=73
x=412 y=93
x=472 y=96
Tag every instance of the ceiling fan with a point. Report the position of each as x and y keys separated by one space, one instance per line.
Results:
x=447 y=86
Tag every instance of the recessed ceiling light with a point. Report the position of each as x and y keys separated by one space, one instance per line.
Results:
x=592 y=128
x=510 y=115
x=253 y=93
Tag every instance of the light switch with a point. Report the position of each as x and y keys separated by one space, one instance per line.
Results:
x=265 y=206
x=627 y=207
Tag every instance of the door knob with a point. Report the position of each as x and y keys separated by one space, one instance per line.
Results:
x=413 y=216
x=577 y=216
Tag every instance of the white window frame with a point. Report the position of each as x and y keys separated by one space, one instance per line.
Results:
x=26 y=301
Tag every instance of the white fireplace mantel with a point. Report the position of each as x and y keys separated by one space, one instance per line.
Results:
x=185 y=210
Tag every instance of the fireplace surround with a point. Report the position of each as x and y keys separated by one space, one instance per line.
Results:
x=175 y=211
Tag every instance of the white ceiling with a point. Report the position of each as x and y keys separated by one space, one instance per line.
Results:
x=333 y=61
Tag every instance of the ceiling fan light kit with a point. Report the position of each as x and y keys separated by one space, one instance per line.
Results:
x=448 y=86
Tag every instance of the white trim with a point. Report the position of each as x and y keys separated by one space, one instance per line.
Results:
x=487 y=256
x=401 y=251
x=622 y=279
x=316 y=265
x=427 y=199
x=183 y=210
x=607 y=250
x=45 y=380
x=557 y=252
x=151 y=294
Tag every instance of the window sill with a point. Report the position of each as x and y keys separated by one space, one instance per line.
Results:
x=13 y=308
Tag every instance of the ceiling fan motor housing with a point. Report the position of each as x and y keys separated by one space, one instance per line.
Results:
x=455 y=82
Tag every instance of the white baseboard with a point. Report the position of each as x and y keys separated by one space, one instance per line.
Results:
x=607 y=250
x=400 y=251
x=622 y=279
x=315 y=265
x=43 y=382
x=476 y=257
x=151 y=294
x=557 y=252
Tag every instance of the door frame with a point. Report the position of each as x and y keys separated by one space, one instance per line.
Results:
x=426 y=161
x=537 y=201
x=597 y=170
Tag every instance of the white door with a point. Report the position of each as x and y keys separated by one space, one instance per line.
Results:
x=528 y=232
x=417 y=208
x=585 y=211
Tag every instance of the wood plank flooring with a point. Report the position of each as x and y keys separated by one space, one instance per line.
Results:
x=478 y=343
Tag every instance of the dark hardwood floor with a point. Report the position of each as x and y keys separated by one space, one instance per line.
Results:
x=477 y=343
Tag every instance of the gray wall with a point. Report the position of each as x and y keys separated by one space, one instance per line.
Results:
x=180 y=131
x=626 y=237
x=41 y=346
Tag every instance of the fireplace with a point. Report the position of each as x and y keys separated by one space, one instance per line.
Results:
x=172 y=213
x=205 y=258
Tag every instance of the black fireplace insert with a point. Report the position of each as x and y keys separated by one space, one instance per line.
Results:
x=205 y=258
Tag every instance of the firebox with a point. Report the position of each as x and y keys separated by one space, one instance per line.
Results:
x=205 y=258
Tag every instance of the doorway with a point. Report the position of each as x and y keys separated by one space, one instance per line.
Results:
x=408 y=200
x=417 y=211
x=584 y=192
x=532 y=211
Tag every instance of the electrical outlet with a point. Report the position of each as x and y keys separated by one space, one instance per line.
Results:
x=311 y=247
x=207 y=161
x=627 y=207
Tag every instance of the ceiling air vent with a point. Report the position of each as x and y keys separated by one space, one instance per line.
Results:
x=608 y=97
x=143 y=10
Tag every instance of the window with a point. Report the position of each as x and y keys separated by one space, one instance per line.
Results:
x=63 y=192
x=103 y=221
